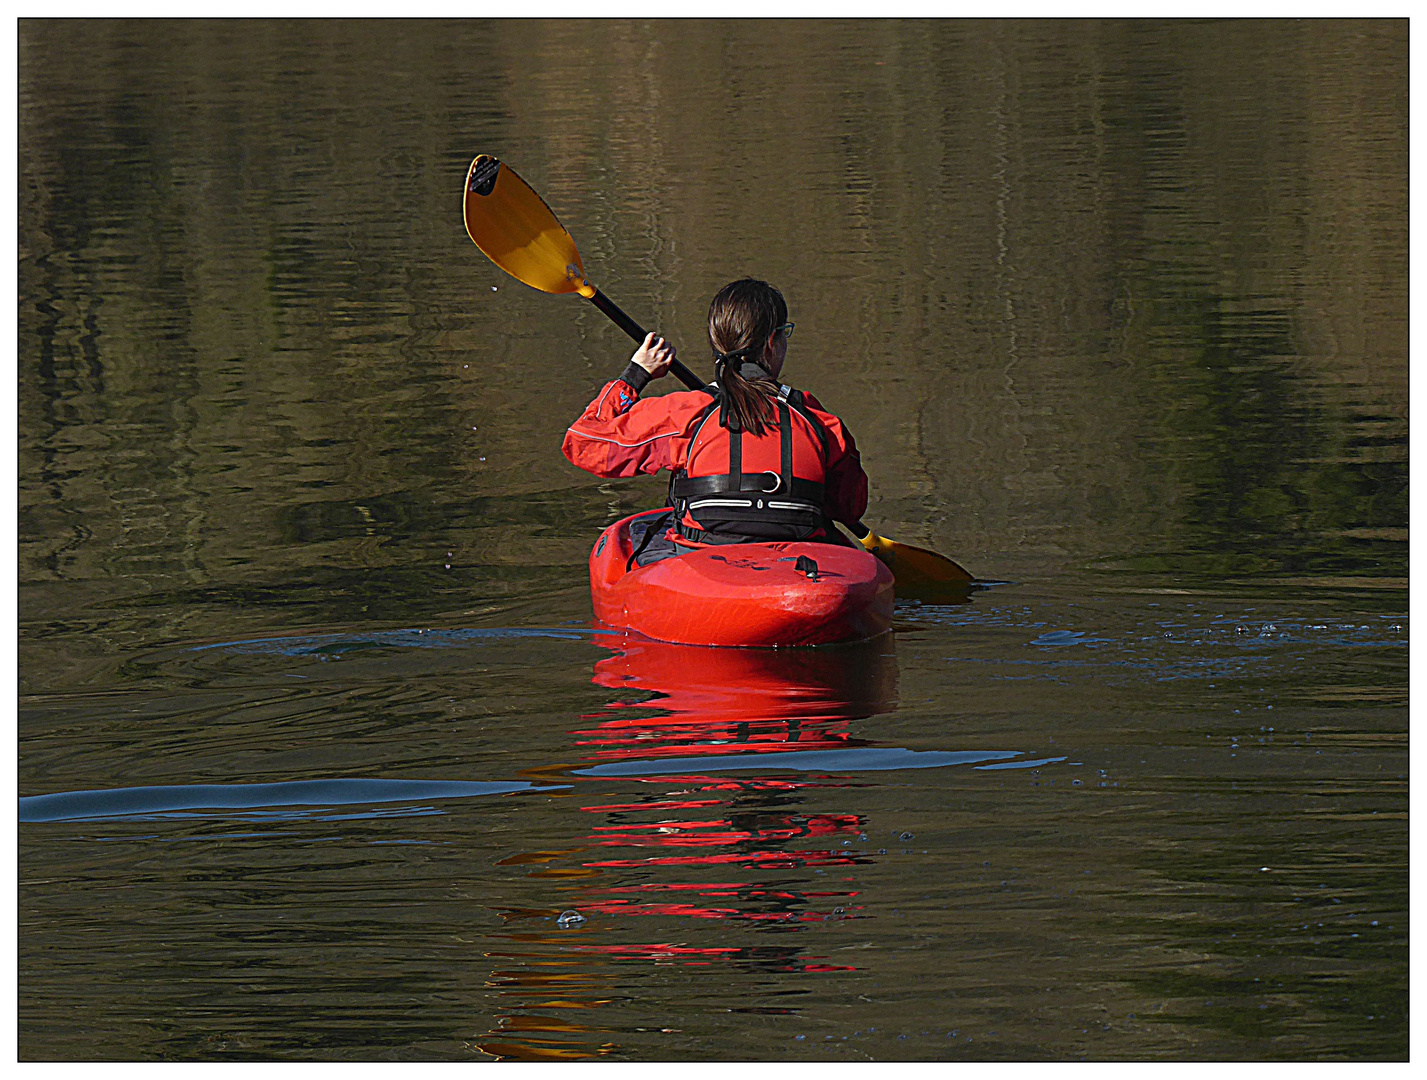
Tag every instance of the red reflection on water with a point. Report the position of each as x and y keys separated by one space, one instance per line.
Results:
x=714 y=702
x=695 y=702
x=773 y=904
x=725 y=701
x=763 y=860
x=725 y=783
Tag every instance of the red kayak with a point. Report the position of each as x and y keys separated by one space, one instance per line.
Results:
x=762 y=595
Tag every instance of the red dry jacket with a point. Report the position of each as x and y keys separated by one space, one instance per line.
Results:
x=621 y=434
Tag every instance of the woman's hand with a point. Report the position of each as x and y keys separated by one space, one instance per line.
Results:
x=654 y=356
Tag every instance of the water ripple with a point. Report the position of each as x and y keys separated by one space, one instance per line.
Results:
x=143 y=803
x=862 y=759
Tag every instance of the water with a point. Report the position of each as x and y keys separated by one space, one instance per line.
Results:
x=319 y=756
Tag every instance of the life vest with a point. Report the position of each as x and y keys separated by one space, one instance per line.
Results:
x=737 y=487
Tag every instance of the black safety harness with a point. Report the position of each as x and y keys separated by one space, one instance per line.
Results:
x=739 y=506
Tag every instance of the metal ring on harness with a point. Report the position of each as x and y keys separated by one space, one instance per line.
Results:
x=777 y=482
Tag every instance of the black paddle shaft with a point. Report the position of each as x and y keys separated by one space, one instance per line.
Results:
x=634 y=330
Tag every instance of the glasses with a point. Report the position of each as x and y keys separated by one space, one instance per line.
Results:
x=787 y=329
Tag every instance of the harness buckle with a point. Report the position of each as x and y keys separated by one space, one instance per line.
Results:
x=777 y=482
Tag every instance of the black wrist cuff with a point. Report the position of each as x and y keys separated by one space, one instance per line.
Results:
x=636 y=377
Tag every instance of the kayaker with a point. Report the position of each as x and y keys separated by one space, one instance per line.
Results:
x=753 y=460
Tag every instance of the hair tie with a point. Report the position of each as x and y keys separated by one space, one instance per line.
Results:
x=744 y=360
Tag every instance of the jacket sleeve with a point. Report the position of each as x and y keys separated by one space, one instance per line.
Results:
x=845 y=484
x=620 y=435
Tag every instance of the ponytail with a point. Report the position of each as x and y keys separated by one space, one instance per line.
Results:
x=742 y=317
x=747 y=402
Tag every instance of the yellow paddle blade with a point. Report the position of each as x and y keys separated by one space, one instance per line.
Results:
x=919 y=573
x=512 y=225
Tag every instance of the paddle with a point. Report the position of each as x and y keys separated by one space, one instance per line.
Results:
x=512 y=225
x=518 y=232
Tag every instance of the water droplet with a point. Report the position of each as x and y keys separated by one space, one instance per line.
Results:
x=906 y=836
x=568 y=919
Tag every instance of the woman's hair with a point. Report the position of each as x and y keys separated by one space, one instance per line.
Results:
x=742 y=317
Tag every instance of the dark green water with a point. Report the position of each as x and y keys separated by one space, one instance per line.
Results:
x=1117 y=312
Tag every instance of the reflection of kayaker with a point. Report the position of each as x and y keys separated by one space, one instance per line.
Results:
x=760 y=473
x=724 y=851
x=713 y=704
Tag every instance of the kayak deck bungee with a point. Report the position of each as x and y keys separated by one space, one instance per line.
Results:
x=760 y=595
